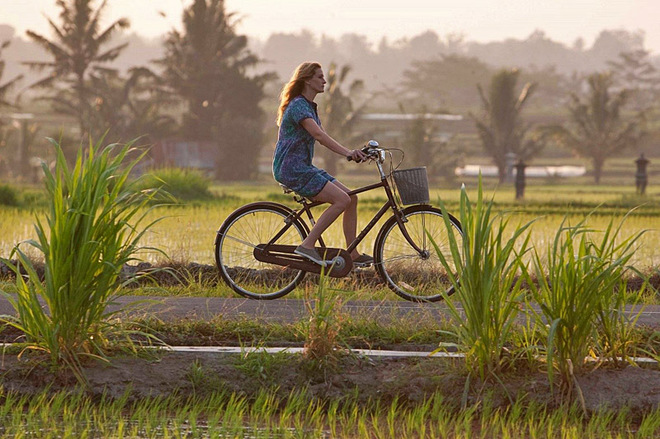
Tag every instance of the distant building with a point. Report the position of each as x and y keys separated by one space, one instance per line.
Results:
x=184 y=154
x=530 y=171
x=390 y=127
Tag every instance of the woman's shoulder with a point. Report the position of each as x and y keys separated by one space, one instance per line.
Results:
x=299 y=102
x=299 y=108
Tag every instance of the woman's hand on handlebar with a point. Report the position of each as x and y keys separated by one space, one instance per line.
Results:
x=357 y=155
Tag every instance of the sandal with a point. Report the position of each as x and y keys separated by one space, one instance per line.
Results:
x=312 y=255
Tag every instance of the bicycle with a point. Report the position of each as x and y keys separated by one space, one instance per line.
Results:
x=254 y=245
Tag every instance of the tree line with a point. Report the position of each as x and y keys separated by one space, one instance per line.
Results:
x=209 y=83
x=203 y=74
x=596 y=128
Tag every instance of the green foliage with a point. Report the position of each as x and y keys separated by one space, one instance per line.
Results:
x=262 y=365
x=487 y=283
x=91 y=229
x=205 y=66
x=8 y=195
x=598 y=129
x=203 y=379
x=581 y=293
x=357 y=330
x=7 y=86
x=76 y=51
x=130 y=107
x=240 y=137
x=502 y=130
x=430 y=150
x=181 y=183
x=269 y=413
x=447 y=82
x=324 y=324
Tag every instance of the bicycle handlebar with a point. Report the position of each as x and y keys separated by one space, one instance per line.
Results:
x=370 y=149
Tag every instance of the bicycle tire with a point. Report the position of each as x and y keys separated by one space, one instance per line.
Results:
x=411 y=275
x=238 y=236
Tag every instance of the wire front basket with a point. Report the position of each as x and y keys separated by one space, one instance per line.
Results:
x=413 y=185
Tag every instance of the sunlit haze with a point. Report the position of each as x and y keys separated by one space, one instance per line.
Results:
x=477 y=20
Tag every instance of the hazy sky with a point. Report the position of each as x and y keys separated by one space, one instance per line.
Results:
x=477 y=20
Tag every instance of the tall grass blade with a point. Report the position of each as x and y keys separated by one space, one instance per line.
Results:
x=91 y=230
x=487 y=282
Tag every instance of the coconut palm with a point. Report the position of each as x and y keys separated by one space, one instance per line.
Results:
x=76 y=51
x=501 y=128
x=597 y=129
x=206 y=66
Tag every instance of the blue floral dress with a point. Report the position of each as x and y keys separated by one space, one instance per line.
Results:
x=292 y=162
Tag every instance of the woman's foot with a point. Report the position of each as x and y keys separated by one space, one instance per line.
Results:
x=312 y=255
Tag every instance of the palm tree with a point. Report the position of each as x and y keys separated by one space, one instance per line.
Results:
x=598 y=130
x=426 y=146
x=501 y=129
x=7 y=86
x=206 y=66
x=130 y=107
x=635 y=71
x=340 y=116
x=76 y=50
x=5 y=132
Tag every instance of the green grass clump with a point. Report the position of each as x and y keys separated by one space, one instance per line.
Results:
x=91 y=229
x=486 y=281
x=8 y=195
x=182 y=184
x=324 y=324
x=581 y=294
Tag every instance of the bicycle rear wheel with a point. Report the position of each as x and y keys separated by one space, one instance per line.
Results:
x=414 y=276
x=239 y=235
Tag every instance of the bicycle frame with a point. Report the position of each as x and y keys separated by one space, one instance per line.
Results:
x=389 y=204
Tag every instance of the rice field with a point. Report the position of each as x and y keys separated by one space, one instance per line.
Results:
x=187 y=233
x=225 y=415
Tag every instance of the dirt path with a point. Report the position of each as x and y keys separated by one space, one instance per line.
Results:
x=285 y=310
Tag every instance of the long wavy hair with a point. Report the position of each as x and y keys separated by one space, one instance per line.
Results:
x=295 y=86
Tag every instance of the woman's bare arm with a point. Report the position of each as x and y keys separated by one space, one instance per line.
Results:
x=324 y=139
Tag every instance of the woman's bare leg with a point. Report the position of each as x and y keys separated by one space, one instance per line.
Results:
x=338 y=200
x=350 y=219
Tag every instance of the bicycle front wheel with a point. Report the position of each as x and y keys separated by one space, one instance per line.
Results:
x=239 y=235
x=415 y=276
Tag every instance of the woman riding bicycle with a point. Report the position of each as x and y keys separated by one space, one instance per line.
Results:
x=299 y=128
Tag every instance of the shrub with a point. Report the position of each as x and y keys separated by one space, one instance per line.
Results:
x=8 y=195
x=91 y=229
x=182 y=184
